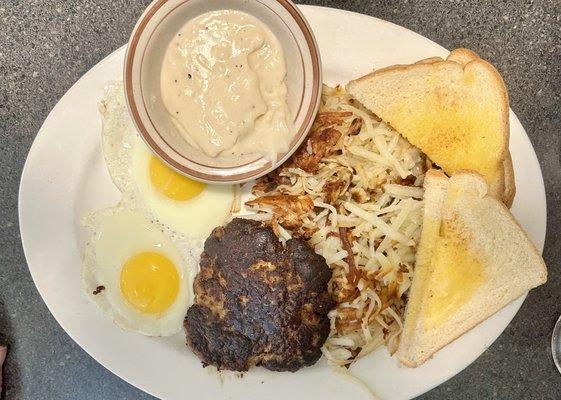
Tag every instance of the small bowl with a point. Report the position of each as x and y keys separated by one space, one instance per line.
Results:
x=143 y=61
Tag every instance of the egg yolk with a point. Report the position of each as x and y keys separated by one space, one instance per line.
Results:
x=172 y=184
x=149 y=282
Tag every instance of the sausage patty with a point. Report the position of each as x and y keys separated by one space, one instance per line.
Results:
x=257 y=301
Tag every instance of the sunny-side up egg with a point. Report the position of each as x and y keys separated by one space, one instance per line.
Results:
x=136 y=273
x=181 y=204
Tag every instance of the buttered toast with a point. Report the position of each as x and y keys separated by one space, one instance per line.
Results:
x=473 y=259
x=455 y=111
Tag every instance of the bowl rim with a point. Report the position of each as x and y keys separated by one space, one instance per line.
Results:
x=229 y=175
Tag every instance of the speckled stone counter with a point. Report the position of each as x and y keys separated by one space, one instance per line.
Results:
x=45 y=46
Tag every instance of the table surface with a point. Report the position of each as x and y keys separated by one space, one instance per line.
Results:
x=45 y=46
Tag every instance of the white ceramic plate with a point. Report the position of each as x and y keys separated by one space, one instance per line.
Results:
x=65 y=177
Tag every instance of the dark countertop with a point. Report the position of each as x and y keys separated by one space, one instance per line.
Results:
x=45 y=46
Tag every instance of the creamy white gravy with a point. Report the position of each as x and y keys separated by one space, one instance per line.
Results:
x=222 y=81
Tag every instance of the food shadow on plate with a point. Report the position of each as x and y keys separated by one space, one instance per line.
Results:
x=177 y=343
x=11 y=381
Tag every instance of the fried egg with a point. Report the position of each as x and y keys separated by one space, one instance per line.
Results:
x=136 y=273
x=186 y=206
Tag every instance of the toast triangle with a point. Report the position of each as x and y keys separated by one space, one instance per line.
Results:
x=454 y=110
x=473 y=259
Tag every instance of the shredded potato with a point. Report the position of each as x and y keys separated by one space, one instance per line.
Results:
x=354 y=192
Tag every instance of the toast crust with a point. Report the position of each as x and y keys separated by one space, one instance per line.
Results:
x=462 y=56
x=510 y=186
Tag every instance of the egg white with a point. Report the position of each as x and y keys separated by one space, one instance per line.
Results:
x=195 y=217
x=128 y=160
x=117 y=234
